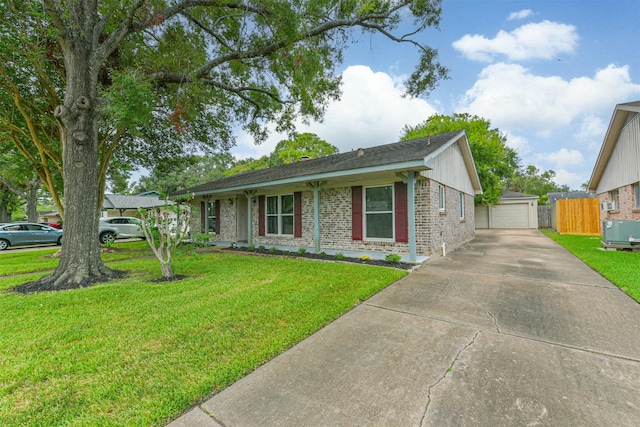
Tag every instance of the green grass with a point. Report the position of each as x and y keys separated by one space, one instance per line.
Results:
x=619 y=267
x=12 y=262
x=135 y=353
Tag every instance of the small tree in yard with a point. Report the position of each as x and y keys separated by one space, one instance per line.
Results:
x=163 y=232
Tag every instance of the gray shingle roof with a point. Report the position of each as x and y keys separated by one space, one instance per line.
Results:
x=389 y=154
x=118 y=201
x=515 y=195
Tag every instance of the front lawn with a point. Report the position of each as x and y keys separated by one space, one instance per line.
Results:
x=619 y=267
x=131 y=352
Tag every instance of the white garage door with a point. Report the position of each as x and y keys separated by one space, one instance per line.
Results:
x=511 y=216
x=482 y=216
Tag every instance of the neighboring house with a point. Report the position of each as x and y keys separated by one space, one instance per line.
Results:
x=116 y=205
x=616 y=176
x=515 y=210
x=50 y=217
x=408 y=198
x=119 y=205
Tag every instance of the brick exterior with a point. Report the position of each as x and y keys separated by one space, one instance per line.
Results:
x=433 y=227
x=626 y=210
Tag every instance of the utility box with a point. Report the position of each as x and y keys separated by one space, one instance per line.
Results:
x=621 y=233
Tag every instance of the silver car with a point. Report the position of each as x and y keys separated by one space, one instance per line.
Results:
x=120 y=227
x=27 y=233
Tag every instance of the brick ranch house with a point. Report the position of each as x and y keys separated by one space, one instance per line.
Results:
x=616 y=175
x=411 y=198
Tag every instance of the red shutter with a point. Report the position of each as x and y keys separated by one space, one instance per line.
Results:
x=203 y=216
x=261 y=216
x=297 y=214
x=218 y=216
x=401 y=214
x=356 y=212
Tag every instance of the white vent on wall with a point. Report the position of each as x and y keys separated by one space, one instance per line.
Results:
x=609 y=206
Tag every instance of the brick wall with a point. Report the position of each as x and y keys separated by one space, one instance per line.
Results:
x=432 y=226
x=626 y=209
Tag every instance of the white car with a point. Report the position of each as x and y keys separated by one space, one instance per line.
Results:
x=120 y=227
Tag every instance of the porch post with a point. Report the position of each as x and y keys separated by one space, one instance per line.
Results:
x=411 y=198
x=250 y=194
x=316 y=187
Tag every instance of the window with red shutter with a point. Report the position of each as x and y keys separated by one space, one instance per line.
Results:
x=356 y=212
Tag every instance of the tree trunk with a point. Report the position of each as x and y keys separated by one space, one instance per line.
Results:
x=167 y=270
x=80 y=262
x=32 y=199
x=5 y=215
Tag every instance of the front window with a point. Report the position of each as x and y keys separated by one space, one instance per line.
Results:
x=636 y=195
x=379 y=212
x=280 y=214
x=441 y=205
x=211 y=217
x=461 y=205
x=614 y=196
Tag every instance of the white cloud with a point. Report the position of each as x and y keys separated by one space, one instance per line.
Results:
x=518 y=143
x=573 y=180
x=371 y=111
x=521 y=14
x=513 y=98
x=542 y=40
x=591 y=126
x=564 y=157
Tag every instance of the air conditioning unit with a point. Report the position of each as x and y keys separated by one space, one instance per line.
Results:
x=609 y=206
x=621 y=232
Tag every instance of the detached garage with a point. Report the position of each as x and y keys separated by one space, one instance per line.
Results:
x=515 y=210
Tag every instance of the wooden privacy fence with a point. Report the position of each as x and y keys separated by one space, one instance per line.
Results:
x=578 y=216
x=544 y=217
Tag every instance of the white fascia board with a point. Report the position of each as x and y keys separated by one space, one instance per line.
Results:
x=416 y=165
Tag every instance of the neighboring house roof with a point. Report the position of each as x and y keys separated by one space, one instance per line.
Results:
x=553 y=197
x=514 y=195
x=118 y=201
x=416 y=155
x=618 y=121
x=154 y=193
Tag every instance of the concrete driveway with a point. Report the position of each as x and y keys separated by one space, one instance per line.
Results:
x=509 y=330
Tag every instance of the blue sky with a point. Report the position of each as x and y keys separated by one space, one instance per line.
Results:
x=547 y=74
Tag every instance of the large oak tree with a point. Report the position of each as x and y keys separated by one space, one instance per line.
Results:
x=219 y=63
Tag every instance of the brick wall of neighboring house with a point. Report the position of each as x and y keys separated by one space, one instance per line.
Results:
x=626 y=210
x=432 y=226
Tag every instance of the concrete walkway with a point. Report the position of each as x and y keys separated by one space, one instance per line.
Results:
x=509 y=330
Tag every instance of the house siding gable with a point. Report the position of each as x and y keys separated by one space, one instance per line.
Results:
x=623 y=167
x=450 y=169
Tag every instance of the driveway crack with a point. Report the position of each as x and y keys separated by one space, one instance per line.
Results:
x=495 y=322
x=444 y=375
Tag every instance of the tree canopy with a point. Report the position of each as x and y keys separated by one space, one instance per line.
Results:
x=301 y=145
x=148 y=78
x=185 y=172
x=530 y=180
x=497 y=164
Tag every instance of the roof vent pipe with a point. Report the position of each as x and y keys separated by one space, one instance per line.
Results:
x=360 y=152
x=304 y=158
